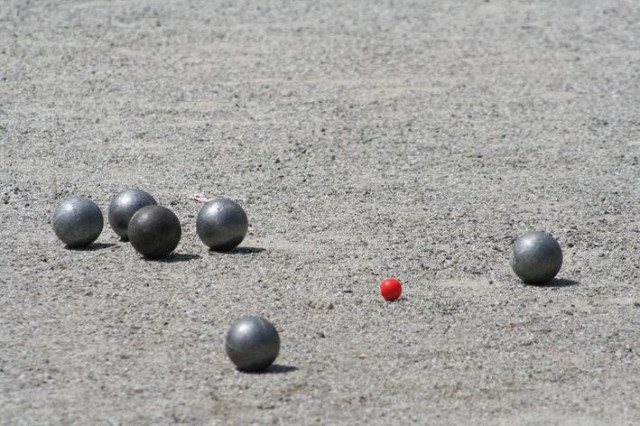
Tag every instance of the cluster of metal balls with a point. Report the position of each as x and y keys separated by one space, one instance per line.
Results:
x=252 y=343
x=153 y=230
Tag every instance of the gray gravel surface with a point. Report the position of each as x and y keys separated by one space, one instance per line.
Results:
x=365 y=139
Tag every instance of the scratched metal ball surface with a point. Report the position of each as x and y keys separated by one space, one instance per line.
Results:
x=77 y=221
x=536 y=257
x=252 y=343
x=124 y=205
x=154 y=231
x=222 y=224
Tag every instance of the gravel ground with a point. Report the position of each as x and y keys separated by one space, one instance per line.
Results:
x=365 y=139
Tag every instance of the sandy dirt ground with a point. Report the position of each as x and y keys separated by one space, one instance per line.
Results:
x=365 y=139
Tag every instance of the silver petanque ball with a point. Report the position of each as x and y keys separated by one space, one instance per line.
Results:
x=222 y=224
x=252 y=343
x=124 y=205
x=154 y=231
x=536 y=257
x=77 y=221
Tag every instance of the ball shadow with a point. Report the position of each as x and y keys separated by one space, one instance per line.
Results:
x=239 y=250
x=91 y=247
x=559 y=283
x=276 y=369
x=174 y=258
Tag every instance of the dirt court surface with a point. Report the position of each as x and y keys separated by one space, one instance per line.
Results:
x=365 y=139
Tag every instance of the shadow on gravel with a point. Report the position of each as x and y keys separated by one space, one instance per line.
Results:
x=92 y=247
x=276 y=369
x=240 y=250
x=560 y=282
x=175 y=257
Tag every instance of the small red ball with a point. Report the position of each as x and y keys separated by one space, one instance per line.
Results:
x=390 y=289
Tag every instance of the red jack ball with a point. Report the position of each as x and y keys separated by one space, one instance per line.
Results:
x=390 y=289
